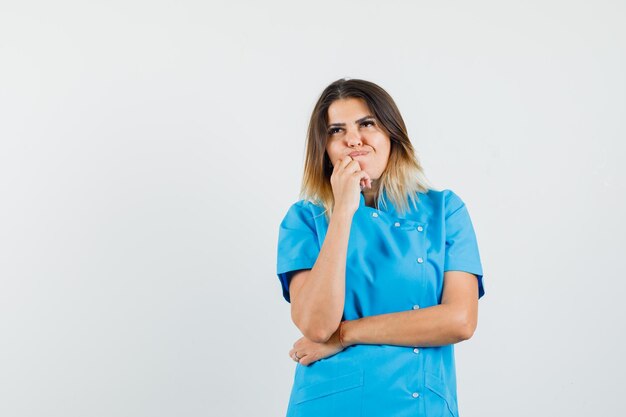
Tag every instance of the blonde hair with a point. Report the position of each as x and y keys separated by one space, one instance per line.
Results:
x=403 y=177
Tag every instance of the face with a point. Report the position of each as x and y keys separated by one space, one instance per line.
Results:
x=352 y=127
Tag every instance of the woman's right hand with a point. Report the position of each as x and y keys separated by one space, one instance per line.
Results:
x=346 y=181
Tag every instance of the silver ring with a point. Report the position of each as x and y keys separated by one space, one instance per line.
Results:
x=296 y=355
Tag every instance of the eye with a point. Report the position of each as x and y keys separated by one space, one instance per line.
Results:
x=367 y=122
x=334 y=130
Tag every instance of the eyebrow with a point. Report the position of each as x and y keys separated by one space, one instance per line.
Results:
x=362 y=119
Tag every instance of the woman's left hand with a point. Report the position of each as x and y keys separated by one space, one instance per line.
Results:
x=309 y=351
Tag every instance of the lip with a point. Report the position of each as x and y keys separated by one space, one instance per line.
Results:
x=357 y=153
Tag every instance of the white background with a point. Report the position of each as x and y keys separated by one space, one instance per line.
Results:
x=149 y=150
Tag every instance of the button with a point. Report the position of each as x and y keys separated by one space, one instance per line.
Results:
x=420 y=228
x=397 y=224
x=374 y=214
x=415 y=395
x=416 y=350
x=420 y=260
x=416 y=306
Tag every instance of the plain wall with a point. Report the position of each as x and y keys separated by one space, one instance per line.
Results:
x=149 y=150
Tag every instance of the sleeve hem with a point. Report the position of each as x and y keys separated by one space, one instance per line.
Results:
x=472 y=270
x=294 y=264
x=289 y=266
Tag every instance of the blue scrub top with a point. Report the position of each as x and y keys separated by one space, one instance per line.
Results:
x=394 y=263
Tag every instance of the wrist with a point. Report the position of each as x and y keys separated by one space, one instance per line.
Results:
x=342 y=213
x=341 y=342
x=345 y=333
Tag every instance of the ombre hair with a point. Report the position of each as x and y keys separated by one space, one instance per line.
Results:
x=403 y=177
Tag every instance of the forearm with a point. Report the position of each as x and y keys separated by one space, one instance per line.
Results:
x=322 y=295
x=432 y=326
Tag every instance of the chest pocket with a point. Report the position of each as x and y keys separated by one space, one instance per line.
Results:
x=406 y=240
x=415 y=233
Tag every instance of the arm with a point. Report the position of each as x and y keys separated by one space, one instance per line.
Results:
x=452 y=321
x=318 y=294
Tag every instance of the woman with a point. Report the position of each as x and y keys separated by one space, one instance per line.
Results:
x=382 y=272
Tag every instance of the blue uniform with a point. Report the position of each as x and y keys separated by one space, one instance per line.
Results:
x=393 y=264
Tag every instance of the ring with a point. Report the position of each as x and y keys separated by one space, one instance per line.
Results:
x=296 y=355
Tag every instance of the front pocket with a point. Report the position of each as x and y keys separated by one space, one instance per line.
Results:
x=328 y=387
x=340 y=396
x=436 y=385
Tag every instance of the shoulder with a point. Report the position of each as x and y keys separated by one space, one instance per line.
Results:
x=444 y=201
x=304 y=206
x=302 y=211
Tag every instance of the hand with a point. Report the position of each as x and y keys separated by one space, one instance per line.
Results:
x=309 y=351
x=347 y=180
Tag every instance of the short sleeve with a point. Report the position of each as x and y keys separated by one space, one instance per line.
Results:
x=298 y=243
x=461 y=245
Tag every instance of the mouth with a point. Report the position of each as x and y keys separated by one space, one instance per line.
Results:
x=357 y=153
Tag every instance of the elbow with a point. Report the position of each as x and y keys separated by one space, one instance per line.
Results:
x=317 y=334
x=465 y=327
x=314 y=331
x=319 y=337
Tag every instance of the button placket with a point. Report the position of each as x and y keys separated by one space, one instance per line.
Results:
x=410 y=225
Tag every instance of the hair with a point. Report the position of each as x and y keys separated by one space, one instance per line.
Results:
x=403 y=176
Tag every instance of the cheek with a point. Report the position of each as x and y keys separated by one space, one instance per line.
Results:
x=386 y=152
x=383 y=146
x=387 y=147
x=332 y=152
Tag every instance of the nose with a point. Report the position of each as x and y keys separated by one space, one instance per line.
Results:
x=353 y=138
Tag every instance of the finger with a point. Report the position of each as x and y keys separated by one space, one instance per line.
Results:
x=353 y=166
x=366 y=181
x=362 y=176
x=342 y=163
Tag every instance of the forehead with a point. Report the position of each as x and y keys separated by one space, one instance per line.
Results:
x=347 y=110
